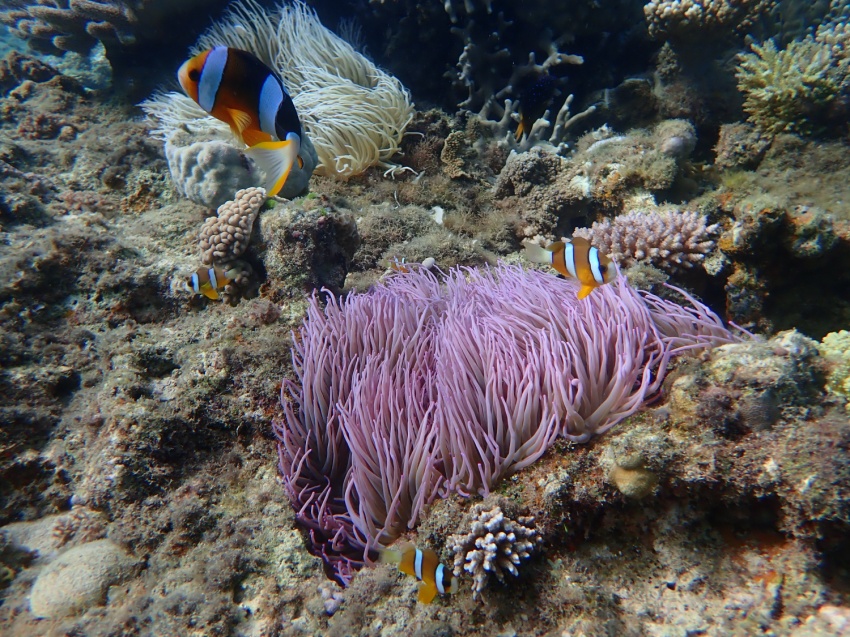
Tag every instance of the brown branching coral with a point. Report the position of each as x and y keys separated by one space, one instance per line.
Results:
x=669 y=240
x=226 y=236
x=55 y=26
x=494 y=544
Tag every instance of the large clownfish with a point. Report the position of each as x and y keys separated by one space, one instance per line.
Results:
x=235 y=87
x=424 y=566
x=576 y=259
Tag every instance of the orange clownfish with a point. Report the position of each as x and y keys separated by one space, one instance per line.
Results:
x=237 y=88
x=208 y=281
x=577 y=259
x=424 y=566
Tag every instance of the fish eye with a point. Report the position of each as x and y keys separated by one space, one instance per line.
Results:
x=194 y=75
x=603 y=268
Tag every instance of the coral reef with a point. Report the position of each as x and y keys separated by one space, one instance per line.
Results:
x=669 y=240
x=701 y=18
x=57 y=26
x=494 y=544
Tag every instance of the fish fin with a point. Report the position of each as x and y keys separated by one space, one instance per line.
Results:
x=210 y=292
x=231 y=274
x=537 y=254
x=427 y=592
x=252 y=137
x=275 y=159
x=580 y=242
x=300 y=162
x=519 y=130
x=585 y=290
x=241 y=119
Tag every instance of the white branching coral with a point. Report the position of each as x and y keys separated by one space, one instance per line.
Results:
x=669 y=240
x=495 y=544
x=354 y=113
x=226 y=236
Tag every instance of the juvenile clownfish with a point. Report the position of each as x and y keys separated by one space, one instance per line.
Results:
x=424 y=566
x=237 y=88
x=576 y=259
x=208 y=281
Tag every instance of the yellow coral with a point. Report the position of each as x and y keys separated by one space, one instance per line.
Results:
x=835 y=346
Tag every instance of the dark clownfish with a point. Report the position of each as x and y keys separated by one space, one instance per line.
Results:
x=424 y=566
x=208 y=281
x=238 y=89
x=576 y=259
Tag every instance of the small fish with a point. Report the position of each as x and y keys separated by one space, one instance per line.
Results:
x=237 y=88
x=424 y=566
x=208 y=281
x=534 y=98
x=576 y=259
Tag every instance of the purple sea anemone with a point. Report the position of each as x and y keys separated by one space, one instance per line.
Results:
x=421 y=387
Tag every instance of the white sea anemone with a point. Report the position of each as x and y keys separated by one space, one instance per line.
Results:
x=354 y=113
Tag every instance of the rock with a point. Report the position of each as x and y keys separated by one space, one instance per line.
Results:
x=80 y=579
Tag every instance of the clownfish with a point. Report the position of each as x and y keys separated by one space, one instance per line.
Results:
x=237 y=88
x=424 y=566
x=577 y=259
x=208 y=281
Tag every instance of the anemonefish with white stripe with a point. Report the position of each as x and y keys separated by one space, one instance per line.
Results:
x=208 y=281
x=424 y=566
x=577 y=259
x=237 y=88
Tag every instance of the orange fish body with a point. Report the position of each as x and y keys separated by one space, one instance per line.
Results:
x=424 y=566
x=575 y=259
x=208 y=281
x=237 y=88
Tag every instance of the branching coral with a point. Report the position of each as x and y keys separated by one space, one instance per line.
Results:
x=669 y=240
x=77 y=25
x=354 y=113
x=226 y=236
x=494 y=544
x=793 y=88
x=419 y=388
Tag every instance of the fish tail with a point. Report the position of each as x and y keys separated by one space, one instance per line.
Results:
x=276 y=160
x=389 y=556
x=536 y=253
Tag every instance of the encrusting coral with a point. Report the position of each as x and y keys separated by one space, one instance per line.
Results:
x=226 y=236
x=670 y=240
x=494 y=544
x=420 y=388
x=354 y=113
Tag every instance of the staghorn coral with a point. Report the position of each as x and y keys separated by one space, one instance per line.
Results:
x=354 y=113
x=494 y=544
x=795 y=88
x=681 y=18
x=57 y=26
x=420 y=388
x=669 y=240
x=226 y=236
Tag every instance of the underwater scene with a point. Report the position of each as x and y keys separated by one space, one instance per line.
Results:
x=445 y=318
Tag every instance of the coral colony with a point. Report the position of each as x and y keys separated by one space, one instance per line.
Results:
x=418 y=389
